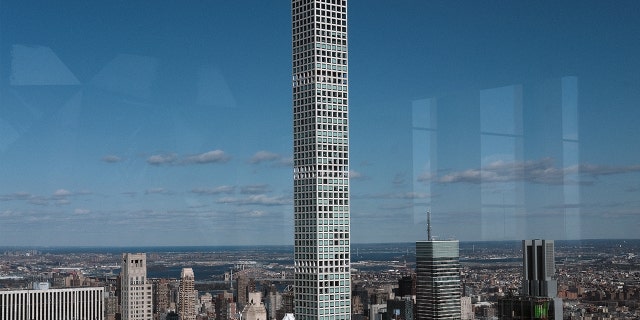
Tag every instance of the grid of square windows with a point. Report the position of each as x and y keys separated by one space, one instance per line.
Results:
x=321 y=160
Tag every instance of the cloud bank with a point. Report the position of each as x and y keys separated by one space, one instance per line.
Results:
x=214 y=156
x=540 y=171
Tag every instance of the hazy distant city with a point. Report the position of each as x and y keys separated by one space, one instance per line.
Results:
x=596 y=278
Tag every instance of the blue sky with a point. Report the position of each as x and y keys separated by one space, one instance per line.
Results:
x=169 y=123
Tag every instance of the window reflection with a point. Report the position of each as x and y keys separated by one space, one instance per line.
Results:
x=505 y=164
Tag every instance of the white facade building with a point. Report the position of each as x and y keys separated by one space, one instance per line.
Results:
x=187 y=295
x=136 y=290
x=254 y=309
x=321 y=160
x=53 y=304
x=466 y=309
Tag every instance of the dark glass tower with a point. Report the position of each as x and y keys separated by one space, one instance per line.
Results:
x=438 y=280
x=539 y=269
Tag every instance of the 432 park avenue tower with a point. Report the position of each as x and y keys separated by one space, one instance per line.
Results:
x=321 y=160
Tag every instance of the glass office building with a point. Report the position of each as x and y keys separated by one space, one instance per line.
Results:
x=438 y=280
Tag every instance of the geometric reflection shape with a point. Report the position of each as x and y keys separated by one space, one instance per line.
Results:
x=501 y=110
x=424 y=126
x=129 y=75
x=68 y=115
x=501 y=142
x=213 y=89
x=37 y=65
x=8 y=134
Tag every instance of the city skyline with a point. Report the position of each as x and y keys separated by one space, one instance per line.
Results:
x=124 y=124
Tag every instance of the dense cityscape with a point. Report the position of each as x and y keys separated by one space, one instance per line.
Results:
x=597 y=279
x=510 y=188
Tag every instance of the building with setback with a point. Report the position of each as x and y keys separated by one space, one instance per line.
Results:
x=187 y=295
x=438 y=280
x=538 y=268
x=321 y=160
x=136 y=291
x=254 y=309
x=539 y=279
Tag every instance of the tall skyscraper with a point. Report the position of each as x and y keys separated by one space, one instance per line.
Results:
x=539 y=275
x=438 y=280
x=187 y=295
x=136 y=293
x=538 y=268
x=321 y=160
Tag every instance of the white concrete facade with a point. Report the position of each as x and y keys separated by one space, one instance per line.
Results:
x=322 y=289
x=187 y=295
x=53 y=304
x=255 y=309
x=136 y=290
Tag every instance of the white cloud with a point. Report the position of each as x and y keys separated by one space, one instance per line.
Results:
x=62 y=193
x=16 y=196
x=263 y=156
x=395 y=195
x=270 y=157
x=81 y=211
x=535 y=171
x=214 y=156
x=39 y=201
x=254 y=189
x=540 y=171
x=285 y=162
x=471 y=176
x=62 y=202
x=216 y=190
x=160 y=159
x=599 y=170
x=260 y=199
x=257 y=213
x=356 y=175
x=111 y=159
x=424 y=177
x=9 y=213
x=399 y=179
x=157 y=191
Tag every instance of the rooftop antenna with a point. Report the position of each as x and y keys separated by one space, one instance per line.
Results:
x=429 y=225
